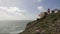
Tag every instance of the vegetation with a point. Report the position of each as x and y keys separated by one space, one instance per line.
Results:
x=49 y=24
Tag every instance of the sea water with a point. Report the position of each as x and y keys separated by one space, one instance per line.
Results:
x=12 y=27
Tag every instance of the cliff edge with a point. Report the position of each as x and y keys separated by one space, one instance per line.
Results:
x=47 y=25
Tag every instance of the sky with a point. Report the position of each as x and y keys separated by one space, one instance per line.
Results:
x=25 y=9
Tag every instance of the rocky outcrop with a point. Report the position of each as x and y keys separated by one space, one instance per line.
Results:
x=47 y=25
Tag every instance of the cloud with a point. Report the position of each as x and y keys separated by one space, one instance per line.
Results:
x=9 y=2
x=13 y=13
x=37 y=0
x=41 y=8
x=14 y=10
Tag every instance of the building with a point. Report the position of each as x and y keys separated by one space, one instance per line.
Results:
x=55 y=10
x=44 y=14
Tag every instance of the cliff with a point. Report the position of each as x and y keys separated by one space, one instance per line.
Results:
x=50 y=24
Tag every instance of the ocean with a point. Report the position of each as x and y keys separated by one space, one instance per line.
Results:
x=13 y=26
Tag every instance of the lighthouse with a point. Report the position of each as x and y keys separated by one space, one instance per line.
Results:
x=48 y=11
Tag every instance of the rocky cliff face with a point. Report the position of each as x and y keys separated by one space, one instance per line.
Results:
x=49 y=24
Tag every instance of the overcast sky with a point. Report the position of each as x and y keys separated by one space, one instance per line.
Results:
x=25 y=9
